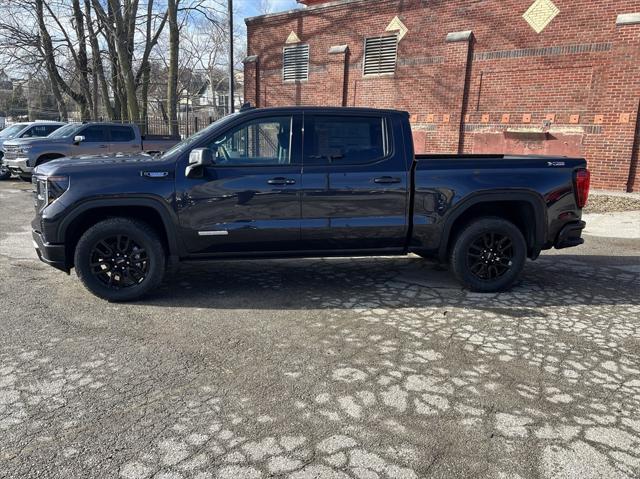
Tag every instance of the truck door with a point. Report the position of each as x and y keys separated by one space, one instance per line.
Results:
x=248 y=201
x=96 y=141
x=123 y=140
x=355 y=184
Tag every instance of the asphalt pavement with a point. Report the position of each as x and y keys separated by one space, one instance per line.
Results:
x=321 y=368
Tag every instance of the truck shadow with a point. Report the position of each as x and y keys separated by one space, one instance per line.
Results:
x=405 y=282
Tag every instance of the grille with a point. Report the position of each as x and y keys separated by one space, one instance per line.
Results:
x=296 y=63
x=10 y=152
x=380 y=55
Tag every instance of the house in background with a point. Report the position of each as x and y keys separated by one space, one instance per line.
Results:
x=214 y=94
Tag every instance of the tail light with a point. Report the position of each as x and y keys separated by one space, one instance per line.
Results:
x=582 y=182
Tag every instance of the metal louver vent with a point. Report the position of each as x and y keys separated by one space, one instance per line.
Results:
x=296 y=63
x=380 y=54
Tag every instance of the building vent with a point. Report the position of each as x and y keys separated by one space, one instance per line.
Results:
x=380 y=54
x=296 y=63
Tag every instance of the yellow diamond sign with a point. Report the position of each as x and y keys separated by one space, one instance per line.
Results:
x=541 y=14
x=396 y=25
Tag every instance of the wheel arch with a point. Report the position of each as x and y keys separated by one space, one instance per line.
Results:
x=147 y=210
x=525 y=209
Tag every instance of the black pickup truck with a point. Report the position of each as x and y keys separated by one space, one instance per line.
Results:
x=296 y=182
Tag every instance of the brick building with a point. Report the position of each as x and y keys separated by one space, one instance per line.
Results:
x=517 y=76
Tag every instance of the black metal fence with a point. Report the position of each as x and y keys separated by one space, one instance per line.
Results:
x=186 y=125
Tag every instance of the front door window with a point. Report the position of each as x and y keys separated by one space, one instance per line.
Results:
x=260 y=142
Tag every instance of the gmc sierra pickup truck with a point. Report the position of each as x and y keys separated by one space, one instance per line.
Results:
x=80 y=139
x=296 y=182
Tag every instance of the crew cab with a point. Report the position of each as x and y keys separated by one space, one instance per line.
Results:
x=77 y=139
x=300 y=182
x=24 y=130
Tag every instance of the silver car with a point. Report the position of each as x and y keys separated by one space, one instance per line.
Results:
x=34 y=129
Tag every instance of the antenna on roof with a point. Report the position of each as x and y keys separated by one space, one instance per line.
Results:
x=247 y=106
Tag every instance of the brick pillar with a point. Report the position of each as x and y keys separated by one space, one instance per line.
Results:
x=252 y=80
x=337 y=70
x=456 y=74
x=629 y=31
x=613 y=155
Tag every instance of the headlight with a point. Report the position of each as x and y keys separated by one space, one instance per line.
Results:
x=51 y=188
x=23 y=150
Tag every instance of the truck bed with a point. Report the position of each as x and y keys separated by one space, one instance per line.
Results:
x=446 y=183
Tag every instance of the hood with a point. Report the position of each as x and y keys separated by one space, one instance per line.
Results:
x=94 y=164
x=34 y=141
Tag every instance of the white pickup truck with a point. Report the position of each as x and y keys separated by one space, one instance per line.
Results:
x=21 y=156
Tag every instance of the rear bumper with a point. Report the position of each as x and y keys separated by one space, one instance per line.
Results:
x=51 y=254
x=570 y=235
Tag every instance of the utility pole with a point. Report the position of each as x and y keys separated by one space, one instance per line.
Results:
x=231 y=69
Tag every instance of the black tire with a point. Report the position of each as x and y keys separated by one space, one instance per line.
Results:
x=123 y=270
x=489 y=255
x=5 y=173
x=25 y=178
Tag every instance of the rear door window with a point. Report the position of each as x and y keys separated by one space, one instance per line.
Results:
x=48 y=129
x=345 y=140
x=38 y=130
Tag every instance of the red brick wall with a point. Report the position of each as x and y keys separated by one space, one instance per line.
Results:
x=581 y=74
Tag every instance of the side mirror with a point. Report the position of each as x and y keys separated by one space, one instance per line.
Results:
x=78 y=139
x=198 y=159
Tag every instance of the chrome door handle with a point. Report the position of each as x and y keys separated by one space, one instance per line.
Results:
x=386 y=180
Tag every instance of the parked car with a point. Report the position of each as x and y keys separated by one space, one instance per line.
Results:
x=75 y=139
x=24 y=130
x=252 y=185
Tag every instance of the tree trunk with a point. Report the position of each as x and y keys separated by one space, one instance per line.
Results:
x=82 y=60
x=47 y=50
x=144 y=96
x=172 y=81
x=124 y=61
x=97 y=64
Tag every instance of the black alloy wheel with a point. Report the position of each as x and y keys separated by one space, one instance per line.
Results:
x=490 y=256
x=119 y=262
x=120 y=259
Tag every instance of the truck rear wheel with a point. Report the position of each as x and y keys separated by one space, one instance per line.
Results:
x=489 y=255
x=120 y=259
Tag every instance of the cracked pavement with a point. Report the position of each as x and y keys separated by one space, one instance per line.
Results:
x=320 y=368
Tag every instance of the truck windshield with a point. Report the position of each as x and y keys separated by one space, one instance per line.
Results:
x=11 y=131
x=196 y=137
x=66 y=131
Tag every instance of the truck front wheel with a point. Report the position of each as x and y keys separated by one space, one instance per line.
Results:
x=120 y=259
x=489 y=255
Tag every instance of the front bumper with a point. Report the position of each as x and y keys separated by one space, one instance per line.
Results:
x=19 y=165
x=571 y=235
x=52 y=254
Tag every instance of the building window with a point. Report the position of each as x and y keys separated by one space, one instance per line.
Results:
x=223 y=100
x=380 y=55
x=296 y=63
